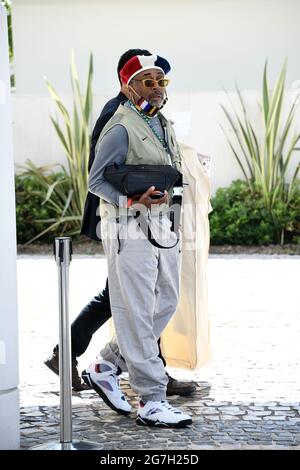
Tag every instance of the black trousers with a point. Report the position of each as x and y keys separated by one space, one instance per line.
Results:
x=90 y=319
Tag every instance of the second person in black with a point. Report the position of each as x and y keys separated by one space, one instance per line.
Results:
x=98 y=311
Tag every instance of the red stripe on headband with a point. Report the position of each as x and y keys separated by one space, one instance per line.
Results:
x=132 y=66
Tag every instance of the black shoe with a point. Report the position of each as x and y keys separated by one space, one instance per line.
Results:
x=53 y=364
x=176 y=387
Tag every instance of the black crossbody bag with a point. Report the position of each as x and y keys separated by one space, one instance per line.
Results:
x=136 y=179
x=131 y=180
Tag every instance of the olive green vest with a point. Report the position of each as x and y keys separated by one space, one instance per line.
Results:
x=143 y=145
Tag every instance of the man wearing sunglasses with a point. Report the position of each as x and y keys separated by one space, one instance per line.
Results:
x=98 y=310
x=143 y=278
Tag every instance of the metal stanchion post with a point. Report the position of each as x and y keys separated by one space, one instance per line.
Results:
x=63 y=256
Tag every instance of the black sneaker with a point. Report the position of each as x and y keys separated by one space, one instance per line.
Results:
x=53 y=364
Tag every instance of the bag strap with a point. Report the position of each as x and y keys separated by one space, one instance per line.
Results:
x=151 y=238
x=145 y=227
x=174 y=218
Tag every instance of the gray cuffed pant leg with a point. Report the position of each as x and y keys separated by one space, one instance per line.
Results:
x=144 y=289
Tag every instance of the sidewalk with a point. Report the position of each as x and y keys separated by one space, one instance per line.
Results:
x=247 y=397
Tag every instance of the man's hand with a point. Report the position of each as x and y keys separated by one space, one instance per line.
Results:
x=146 y=199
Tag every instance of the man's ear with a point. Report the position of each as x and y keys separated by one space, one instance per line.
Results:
x=128 y=91
x=132 y=93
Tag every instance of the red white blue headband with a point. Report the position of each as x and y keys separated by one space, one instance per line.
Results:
x=139 y=63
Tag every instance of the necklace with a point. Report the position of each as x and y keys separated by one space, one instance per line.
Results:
x=148 y=120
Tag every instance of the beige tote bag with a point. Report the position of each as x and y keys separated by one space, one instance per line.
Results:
x=185 y=341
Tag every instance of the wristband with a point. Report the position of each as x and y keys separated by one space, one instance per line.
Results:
x=129 y=202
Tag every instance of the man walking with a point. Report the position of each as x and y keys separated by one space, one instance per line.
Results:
x=98 y=310
x=144 y=278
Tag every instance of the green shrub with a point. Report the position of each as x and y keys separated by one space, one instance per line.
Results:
x=32 y=212
x=240 y=217
x=73 y=131
x=266 y=162
x=51 y=203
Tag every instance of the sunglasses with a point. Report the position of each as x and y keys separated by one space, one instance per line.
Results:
x=150 y=82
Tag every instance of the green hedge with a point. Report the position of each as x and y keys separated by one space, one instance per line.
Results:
x=240 y=218
x=30 y=209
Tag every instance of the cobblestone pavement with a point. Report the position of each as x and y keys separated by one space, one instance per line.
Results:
x=247 y=397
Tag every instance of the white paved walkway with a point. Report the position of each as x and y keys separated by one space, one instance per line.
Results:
x=255 y=324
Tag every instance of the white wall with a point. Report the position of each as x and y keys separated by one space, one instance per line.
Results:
x=210 y=43
x=9 y=394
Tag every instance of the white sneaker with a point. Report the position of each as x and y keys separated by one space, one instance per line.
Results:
x=161 y=414
x=102 y=377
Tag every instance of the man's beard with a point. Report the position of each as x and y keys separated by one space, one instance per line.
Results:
x=146 y=106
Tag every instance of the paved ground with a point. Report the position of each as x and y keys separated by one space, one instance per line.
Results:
x=247 y=397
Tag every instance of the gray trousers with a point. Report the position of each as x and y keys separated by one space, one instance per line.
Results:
x=144 y=290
